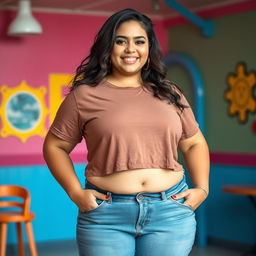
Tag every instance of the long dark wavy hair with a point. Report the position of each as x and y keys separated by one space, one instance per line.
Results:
x=97 y=65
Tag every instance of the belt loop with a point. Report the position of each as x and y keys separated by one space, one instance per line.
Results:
x=109 y=201
x=163 y=194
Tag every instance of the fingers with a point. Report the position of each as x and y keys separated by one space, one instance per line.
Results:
x=100 y=195
x=182 y=194
x=86 y=199
x=193 y=197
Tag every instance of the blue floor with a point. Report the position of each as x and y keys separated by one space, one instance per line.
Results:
x=68 y=248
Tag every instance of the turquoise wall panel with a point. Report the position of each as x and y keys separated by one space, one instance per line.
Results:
x=55 y=212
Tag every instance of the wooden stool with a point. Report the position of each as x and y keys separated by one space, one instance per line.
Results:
x=250 y=192
x=10 y=194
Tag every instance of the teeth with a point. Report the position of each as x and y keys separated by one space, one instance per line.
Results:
x=130 y=60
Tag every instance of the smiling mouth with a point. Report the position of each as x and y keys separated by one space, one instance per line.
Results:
x=129 y=60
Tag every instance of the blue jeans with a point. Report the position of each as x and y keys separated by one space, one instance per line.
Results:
x=142 y=224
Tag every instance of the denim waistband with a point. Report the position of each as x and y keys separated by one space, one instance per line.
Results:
x=161 y=195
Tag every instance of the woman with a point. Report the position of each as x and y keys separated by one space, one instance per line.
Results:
x=136 y=200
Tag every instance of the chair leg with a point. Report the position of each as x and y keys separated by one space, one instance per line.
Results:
x=31 y=241
x=3 y=233
x=20 y=239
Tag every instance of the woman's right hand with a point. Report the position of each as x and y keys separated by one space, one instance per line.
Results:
x=85 y=199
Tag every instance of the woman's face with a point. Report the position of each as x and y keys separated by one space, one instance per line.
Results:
x=130 y=50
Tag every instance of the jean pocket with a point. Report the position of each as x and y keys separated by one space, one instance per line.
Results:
x=180 y=202
x=100 y=205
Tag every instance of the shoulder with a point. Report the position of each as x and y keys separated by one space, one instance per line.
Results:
x=181 y=96
x=83 y=90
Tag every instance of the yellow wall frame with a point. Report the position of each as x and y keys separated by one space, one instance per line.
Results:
x=8 y=128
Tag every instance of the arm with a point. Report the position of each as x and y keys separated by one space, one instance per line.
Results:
x=56 y=154
x=196 y=155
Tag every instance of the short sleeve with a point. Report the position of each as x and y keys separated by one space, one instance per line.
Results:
x=67 y=124
x=188 y=121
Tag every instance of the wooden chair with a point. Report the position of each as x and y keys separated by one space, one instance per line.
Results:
x=11 y=198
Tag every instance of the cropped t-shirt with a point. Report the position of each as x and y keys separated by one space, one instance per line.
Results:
x=123 y=127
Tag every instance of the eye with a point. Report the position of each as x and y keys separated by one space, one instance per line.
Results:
x=120 y=42
x=140 y=42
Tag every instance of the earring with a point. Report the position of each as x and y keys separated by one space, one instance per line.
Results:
x=147 y=64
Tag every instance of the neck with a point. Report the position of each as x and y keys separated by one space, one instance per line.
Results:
x=125 y=80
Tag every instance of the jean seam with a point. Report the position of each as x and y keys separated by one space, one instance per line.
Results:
x=95 y=209
x=179 y=204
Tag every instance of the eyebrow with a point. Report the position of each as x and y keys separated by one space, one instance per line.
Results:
x=136 y=37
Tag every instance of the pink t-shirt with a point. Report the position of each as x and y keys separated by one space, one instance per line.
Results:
x=124 y=127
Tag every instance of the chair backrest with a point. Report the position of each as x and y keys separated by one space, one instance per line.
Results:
x=9 y=195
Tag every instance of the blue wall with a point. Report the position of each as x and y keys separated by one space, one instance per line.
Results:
x=230 y=217
x=55 y=213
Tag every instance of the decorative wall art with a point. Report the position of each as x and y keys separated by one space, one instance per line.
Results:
x=240 y=93
x=23 y=109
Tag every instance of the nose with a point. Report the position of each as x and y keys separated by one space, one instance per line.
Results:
x=130 y=48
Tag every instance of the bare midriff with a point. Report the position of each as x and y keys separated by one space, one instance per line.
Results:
x=137 y=180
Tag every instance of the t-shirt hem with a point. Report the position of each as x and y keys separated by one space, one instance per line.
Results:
x=99 y=173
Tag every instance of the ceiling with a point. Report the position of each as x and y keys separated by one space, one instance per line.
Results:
x=107 y=7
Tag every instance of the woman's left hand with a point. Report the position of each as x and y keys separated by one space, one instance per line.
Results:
x=193 y=197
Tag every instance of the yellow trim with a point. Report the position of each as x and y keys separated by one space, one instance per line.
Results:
x=57 y=82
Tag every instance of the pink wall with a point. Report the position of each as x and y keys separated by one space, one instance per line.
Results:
x=64 y=43
x=66 y=40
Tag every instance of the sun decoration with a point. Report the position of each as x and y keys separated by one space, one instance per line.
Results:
x=23 y=111
x=240 y=92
